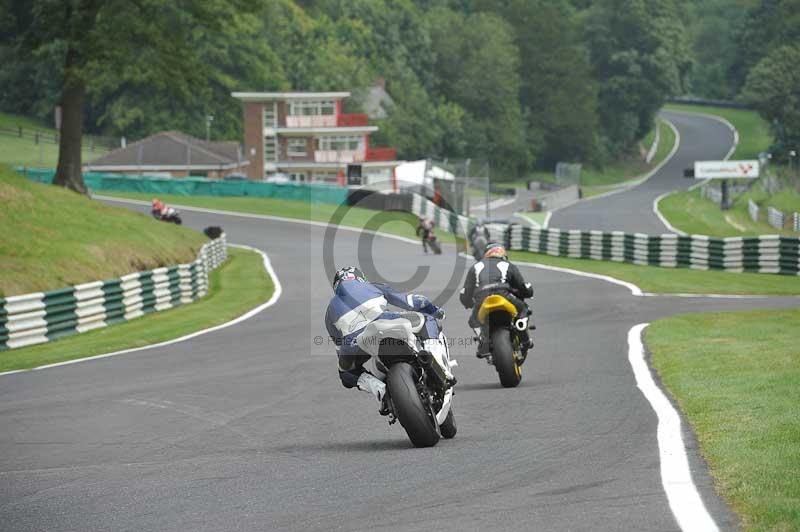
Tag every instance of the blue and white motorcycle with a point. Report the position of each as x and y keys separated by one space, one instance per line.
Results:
x=412 y=356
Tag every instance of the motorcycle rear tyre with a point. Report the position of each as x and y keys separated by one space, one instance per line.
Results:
x=503 y=355
x=412 y=413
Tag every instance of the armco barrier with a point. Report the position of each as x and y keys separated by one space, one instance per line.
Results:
x=753 y=209
x=775 y=217
x=44 y=316
x=199 y=186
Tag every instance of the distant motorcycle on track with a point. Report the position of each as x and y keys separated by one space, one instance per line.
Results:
x=433 y=243
x=170 y=215
x=413 y=354
x=425 y=229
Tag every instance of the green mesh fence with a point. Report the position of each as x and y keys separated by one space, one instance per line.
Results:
x=199 y=186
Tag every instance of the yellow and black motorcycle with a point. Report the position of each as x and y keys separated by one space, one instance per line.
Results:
x=501 y=330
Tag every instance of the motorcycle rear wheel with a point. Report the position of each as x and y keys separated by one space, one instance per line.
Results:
x=434 y=244
x=504 y=361
x=412 y=413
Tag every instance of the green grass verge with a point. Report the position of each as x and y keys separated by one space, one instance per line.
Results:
x=694 y=214
x=52 y=237
x=754 y=134
x=674 y=280
x=236 y=287
x=392 y=222
x=691 y=213
x=786 y=200
x=735 y=376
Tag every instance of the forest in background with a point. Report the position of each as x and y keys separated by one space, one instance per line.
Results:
x=519 y=83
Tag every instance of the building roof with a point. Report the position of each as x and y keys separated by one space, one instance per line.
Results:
x=172 y=149
x=270 y=96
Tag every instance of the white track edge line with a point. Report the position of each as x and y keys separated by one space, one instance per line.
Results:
x=276 y=294
x=676 y=476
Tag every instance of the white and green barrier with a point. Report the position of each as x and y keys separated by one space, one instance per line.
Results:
x=762 y=254
x=44 y=316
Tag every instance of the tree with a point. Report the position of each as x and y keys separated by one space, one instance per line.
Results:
x=773 y=88
x=715 y=29
x=639 y=58
x=556 y=84
x=477 y=66
x=769 y=25
x=144 y=40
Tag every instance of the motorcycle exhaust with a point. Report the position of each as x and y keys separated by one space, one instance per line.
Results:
x=432 y=368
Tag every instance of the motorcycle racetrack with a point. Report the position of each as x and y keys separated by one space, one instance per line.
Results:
x=249 y=427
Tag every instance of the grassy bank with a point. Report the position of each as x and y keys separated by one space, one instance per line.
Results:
x=52 y=238
x=754 y=135
x=735 y=375
x=674 y=280
x=392 y=222
x=692 y=213
x=24 y=151
x=236 y=287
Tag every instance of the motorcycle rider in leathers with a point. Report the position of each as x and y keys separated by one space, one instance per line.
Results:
x=355 y=304
x=424 y=229
x=479 y=238
x=494 y=274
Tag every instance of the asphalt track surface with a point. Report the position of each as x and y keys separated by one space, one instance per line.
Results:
x=701 y=138
x=248 y=428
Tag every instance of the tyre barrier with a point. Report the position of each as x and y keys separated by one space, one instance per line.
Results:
x=760 y=254
x=45 y=316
